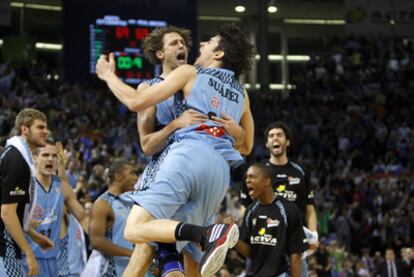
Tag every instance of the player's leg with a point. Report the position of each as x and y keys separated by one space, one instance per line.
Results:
x=191 y=267
x=140 y=261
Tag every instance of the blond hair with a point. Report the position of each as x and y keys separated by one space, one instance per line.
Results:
x=26 y=117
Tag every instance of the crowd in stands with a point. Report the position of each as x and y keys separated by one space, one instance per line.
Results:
x=352 y=117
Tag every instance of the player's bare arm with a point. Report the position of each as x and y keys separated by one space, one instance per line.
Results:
x=181 y=78
x=74 y=207
x=154 y=141
x=242 y=248
x=102 y=217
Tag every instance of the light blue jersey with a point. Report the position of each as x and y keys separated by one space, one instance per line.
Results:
x=215 y=91
x=72 y=250
x=193 y=173
x=164 y=110
x=165 y=113
x=48 y=208
x=114 y=266
x=47 y=215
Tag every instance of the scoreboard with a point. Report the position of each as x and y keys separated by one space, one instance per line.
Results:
x=117 y=26
x=123 y=37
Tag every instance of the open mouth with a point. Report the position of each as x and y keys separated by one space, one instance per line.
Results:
x=49 y=166
x=181 y=57
x=249 y=190
x=276 y=146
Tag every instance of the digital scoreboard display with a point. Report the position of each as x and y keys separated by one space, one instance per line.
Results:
x=123 y=38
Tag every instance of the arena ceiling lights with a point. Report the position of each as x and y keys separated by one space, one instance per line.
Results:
x=240 y=8
x=44 y=46
x=272 y=86
x=35 y=6
x=48 y=46
x=272 y=7
x=314 y=21
x=290 y=58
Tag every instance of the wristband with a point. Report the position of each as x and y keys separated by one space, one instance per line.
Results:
x=311 y=236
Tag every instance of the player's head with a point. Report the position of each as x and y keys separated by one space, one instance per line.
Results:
x=168 y=46
x=32 y=125
x=46 y=159
x=259 y=180
x=121 y=173
x=278 y=137
x=231 y=47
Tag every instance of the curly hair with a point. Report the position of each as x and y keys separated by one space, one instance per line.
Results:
x=154 y=41
x=279 y=125
x=238 y=51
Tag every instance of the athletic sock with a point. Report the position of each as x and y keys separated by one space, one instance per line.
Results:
x=185 y=231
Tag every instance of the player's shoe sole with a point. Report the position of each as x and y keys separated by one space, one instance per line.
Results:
x=215 y=257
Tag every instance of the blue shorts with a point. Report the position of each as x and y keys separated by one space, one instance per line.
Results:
x=194 y=251
x=11 y=267
x=188 y=186
x=47 y=267
x=168 y=259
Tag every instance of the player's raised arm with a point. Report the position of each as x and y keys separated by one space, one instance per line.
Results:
x=179 y=79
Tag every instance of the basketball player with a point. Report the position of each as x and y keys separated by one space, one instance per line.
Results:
x=212 y=89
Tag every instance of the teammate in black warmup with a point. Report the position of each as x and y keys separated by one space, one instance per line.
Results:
x=271 y=232
x=296 y=188
x=16 y=181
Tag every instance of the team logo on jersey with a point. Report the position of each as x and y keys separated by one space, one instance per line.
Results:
x=272 y=223
x=281 y=188
x=289 y=195
x=215 y=102
x=294 y=180
x=37 y=212
x=262 y=231
x=17 y=192
x=263 y=238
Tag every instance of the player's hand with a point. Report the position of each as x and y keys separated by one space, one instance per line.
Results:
x=31 y=264
x=61 y=153
x=232 y=127
x=105 y=66
x=189 y=117
x=228 y=220
x=44 y=242
x=314 y=246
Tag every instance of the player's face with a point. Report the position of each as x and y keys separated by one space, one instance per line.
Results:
x=207 y=49
x=47 y=160
x=175 y=50
x=129 y=178
x=255 y=182
x=36 y=134
x=277 y=143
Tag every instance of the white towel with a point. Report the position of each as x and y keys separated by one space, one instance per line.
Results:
x=21 y=145
x=311 y=238
x=95 y=264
